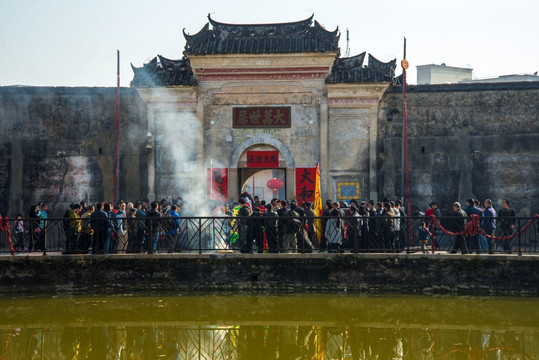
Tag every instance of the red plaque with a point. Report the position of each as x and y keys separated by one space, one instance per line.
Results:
x=305 y=184
x=261 y=117
x=262 y=159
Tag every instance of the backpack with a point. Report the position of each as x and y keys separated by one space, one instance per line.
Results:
x=294 y=224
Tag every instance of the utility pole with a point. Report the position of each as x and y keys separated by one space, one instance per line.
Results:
x=116 y=151
x=406 y=172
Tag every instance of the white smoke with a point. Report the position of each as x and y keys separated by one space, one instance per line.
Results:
x=180 y=168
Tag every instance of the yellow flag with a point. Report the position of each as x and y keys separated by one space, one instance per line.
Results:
x=318 y=204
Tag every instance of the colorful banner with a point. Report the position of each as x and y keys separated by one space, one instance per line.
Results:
x=318 y=204
x=265 y=117
x=262 y=159
x=305 y=184
x=217 y=184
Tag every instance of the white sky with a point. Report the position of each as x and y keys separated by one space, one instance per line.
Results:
x=73 y=43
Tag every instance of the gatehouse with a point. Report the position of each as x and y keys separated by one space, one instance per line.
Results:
x=253 y=103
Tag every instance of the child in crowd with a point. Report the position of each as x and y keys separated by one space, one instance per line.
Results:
x=423 y=235
x=19 y=234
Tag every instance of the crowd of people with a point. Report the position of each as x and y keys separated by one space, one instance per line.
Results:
x=252 y=225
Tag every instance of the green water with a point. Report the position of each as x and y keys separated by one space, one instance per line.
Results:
x=269 y=327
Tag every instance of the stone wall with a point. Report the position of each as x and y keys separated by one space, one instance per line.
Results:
x=58 y=146
x=473 y=140
x=273 y=273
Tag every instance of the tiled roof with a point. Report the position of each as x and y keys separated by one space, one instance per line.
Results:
x=294 y=37
x=351 y=70
x=161 y=71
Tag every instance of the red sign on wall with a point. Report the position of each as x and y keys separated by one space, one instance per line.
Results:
x=305 y=184
x=262 y=159
x=217 y=184
x=257 y=117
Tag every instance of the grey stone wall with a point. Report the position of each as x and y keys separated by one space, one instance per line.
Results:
x=473 y=140
x=58 y=144
x=272 y=273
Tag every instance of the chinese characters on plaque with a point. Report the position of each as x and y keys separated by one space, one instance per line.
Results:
x=305 y=184
x=261 y=117
x=262 y=159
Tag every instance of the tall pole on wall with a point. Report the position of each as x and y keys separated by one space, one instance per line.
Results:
x=403 y=192
x=405 y=65
x=116 y=150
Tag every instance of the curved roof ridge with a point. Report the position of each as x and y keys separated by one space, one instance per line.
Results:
x=218 y=25
x=318 y=26
x=376 y=62
x=293 y=37
x=202 y=33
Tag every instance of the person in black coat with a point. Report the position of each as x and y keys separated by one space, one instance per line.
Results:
x=254 y=225
x=282 y=212
x=271 y=228
x=35 y=231
x=100 y=222
x=243 y=231
x=153 y=225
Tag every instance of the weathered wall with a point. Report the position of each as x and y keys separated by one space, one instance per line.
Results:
x=473 y=140
x=58 y=144
x=373 y=273
x=352 y=132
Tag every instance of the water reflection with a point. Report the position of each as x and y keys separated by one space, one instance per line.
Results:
x=297 y=327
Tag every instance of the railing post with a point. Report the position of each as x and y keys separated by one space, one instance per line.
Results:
x=199 y=236
x=44 y=238
x=150 y=242
x=410 y=234
x=519 y=240
x=355 y=232
x=250 y=241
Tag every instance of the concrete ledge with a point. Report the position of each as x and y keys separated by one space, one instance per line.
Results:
x=271 y=273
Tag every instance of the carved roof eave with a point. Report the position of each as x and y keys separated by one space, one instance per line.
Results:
x=353 y=62
x=183 y=64
x=171 y=71
x=374 y=62
x=200 y=36
x=282 y=28
x=328 y=35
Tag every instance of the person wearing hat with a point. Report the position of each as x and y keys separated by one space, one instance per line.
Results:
x=458 y=225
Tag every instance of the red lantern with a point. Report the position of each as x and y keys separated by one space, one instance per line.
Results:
x=275 y=184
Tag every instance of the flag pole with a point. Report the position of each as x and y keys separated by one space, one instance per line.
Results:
x=116 y=152
x=405 y=65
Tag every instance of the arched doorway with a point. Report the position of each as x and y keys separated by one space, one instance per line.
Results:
x=257 y=183
x=242 y=173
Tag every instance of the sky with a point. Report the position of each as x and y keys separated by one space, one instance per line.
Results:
x=74 y=43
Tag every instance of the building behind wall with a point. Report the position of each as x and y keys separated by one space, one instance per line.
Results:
x=442 y=74
x=290 y=68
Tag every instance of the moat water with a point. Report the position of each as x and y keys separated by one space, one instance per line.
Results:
x=269 y=327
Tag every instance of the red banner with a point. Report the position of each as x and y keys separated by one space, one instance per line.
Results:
x=262 y=159
x=218 y=184
x=257 y=117
x=305 y=184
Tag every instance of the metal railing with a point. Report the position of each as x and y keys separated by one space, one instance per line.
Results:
x=260 y=234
